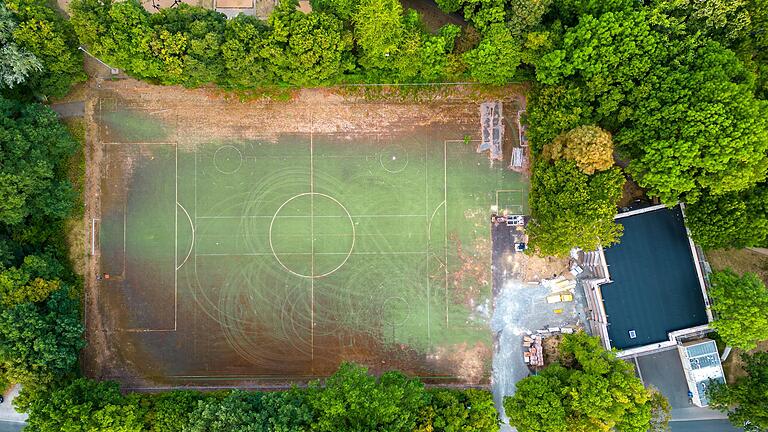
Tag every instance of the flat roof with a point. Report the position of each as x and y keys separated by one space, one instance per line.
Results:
x=655 y=288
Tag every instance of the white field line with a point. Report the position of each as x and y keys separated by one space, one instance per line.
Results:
x=312 y=233
x=445 y=218
x=192 y=244
x=317 y=216
x=310 y=253
x=428 y=224
x=176 y=240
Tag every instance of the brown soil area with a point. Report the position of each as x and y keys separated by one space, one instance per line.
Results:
x=740 y=260
x=631 y=192
x=534 y=268
x=734 y=365
x=551 y=347
x=431 y=15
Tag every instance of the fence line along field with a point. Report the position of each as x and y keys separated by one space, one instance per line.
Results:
x=266 y=242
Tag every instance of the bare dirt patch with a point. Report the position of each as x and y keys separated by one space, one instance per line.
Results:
x=740 y=260
x=535 y=268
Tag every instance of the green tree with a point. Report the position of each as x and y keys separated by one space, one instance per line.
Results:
x=682 y=107
x=744 y=401
x=189 y=40
x=732 y=220
x=553 y=110
x=81 y=405
x=459 y=411
x=235 y=413
x=352 y=400
x=16 y=63
x=241 y=411
x=246 y=38
x=700 y=128
x=307 y=49
x=538 y=404
x=572 y=209
x=34 y=192
x=609 y=58
x=343 y=9
x=587 y=389
x=121 y=34
x=525 y=15
x=741 y=305
x=40 y=342
x=32 y=282
x=753 y=47
x=571 y=11
x=722 y=20
x=170 y=411
x=496 y=59
x=481 y=13
x=379 y=32
x=42 y=32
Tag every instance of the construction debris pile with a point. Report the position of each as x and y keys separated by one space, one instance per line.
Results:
x=491 y=129
x=534 y=345
x=533 y=354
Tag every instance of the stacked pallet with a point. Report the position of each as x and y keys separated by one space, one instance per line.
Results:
x=533 y=355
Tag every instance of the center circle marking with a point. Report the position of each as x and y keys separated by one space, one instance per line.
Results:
x=393 y=158
x=392 y=304
x=227 y=159
x=277 y=255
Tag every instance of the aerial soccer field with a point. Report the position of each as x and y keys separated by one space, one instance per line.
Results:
x=262 y=255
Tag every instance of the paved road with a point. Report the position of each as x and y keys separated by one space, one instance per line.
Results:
x=69 y=109
x=7 y=411
x=702 y=426
x=6 y=426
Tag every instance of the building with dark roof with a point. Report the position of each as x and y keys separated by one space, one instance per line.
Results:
x=655 y=285
x=648 y=291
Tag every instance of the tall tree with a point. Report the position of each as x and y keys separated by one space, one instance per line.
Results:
x=40 y=342
x=190 y=39
x=732 y=220
x=591 y=147
x=16 y=63
x=246 y=38
x=682 y=107
x=496 y=59
x=745 y=401
x=32 y=282
x=355 y=401
x=241 y=411
x=81 y=405
x=170 y=411
x=34 y=193
x=458 y=410
x=741 y=305
x=307 y=49
x=572 y=209
x=700 y=129
x=587 y=389
x=526 y=15
x=42 y=32
x=379 y=32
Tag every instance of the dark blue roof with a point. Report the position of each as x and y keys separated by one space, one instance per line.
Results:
x=655 y=287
